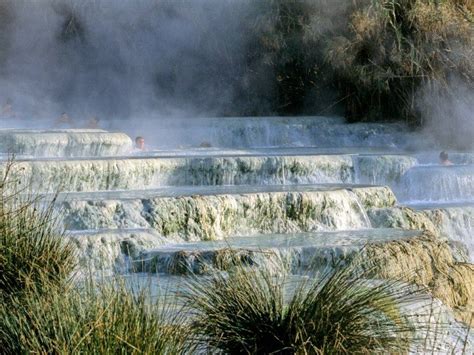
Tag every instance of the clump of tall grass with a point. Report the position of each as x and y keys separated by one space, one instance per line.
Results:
x=33 y=250
x=105 y=318
x=255 y=311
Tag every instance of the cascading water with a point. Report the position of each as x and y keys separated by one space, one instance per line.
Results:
x=64 y=143
x=455 y=222
x=437 y=184
x=153 y=187
x=180 y=209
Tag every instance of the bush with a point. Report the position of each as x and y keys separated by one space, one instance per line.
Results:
x=392 y=48
x=94 y=319
x=33 y=251
x=251 y=311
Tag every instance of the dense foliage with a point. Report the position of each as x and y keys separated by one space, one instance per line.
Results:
x=368 y=58
x=395 y=47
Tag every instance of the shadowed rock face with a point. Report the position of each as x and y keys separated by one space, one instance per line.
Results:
x=64 y=143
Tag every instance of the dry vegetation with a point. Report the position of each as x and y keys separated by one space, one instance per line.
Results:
x=365 y=59
x=91 y=319
x=393 y=47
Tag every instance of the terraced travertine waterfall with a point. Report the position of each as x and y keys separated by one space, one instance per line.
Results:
x=63 y=143
x=308 y=191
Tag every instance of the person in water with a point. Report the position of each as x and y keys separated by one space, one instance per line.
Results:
x=205 y=145
x=93 y=123
x=139 y=145
x=7 y=109
x=444 y=159
x=64 y=121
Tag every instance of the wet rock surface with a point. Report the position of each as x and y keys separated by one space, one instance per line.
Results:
x=63 y=143
x=210 y=217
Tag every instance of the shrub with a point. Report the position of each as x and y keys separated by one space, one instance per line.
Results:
x=394 y=47
x=254 y=311
x=33 y=250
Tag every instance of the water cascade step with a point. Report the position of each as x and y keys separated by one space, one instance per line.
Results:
x=293 y=250
x=209 y=213
x=142 y=172
x=252 y=132
x=438 y=184
x=297 y=191
x=112 y=249
x=138 y=172
x=453 y=221
x=63 y=143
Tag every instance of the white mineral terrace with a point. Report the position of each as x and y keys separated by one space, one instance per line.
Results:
x=250 y=132
x=297 y=191
x=144 y=250
x=205 y=213
x=63 y=143
x=297 y=250
x=410 y=181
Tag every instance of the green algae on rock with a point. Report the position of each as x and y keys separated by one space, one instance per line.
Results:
x=213 y=217
x=110 y=249
x=382 y=169
x=151 y=172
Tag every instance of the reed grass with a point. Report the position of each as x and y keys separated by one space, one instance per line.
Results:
x=254 y=311
x=34 y=252
x=91 y=318
x=393 y=48
x=43 y=309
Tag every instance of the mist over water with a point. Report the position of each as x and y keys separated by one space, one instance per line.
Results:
x=449 y=117
x=147 y=59
x=117 y=59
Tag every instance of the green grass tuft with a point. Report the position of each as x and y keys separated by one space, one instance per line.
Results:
x=255 y=311
x=34 y=251
x=102 y=318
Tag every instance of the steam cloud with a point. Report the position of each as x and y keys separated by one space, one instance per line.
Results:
x=142 y=58
x=449 y=117
x=121 y=58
